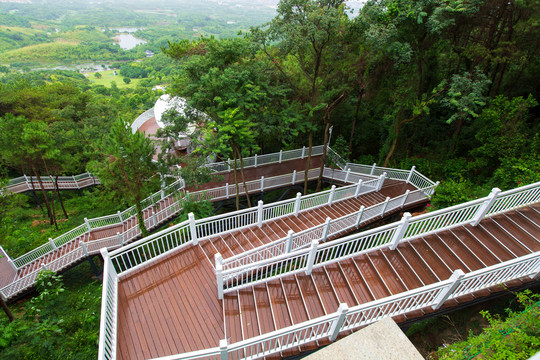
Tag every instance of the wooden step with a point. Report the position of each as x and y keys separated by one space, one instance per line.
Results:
x=248 y=314
x=311 y=296
x=373 y=280
x=528 y=239
x=278 y=302
x=403 y=269
x=385 y=270
x=475 y=246
x=264 y=309
x=457 y=248
x=294 y=300
x=435 y=263
x=326 y=291
x=359 y=286
x=340 y=285
x=513 y=244
x=490 y=242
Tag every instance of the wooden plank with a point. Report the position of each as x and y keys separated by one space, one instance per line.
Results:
x=359 y=286
x=340 y=285
x=294 y=299
x=311 y=298
x=248 y=312
x=387 y=273
x=264 y=309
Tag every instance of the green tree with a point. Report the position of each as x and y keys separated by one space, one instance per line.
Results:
x=98 y=75
x=127 y=168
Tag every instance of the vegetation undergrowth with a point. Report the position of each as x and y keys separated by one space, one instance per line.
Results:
x=60 y=322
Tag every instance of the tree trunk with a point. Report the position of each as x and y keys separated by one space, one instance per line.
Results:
x=49 y=213
x=140 y=218
x=239 y=154
x=6 y=310
x=53 y=208
x=355 y=119
x=60 y=198
x=308 y=163
x=236 y=182
x=459 y=126
x=323 y=160
x=391 y=152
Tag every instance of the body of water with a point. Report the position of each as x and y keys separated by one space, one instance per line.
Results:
x=128 y=41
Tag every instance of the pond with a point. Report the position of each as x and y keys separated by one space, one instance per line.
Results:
x=128 y=41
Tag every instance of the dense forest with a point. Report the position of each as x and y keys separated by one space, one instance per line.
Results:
x=449 y=86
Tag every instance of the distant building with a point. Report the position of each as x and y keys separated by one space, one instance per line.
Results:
x=150 y=122
x=149 y=53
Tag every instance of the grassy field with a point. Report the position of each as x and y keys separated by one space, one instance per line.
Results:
x=108 y=77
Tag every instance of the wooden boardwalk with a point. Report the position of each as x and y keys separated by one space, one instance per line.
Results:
x=171 y=306
x=8 y=275
x=161 y=306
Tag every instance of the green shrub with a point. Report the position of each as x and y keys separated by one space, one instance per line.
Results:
x=516 y=337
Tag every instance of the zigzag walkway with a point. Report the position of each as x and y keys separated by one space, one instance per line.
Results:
x=171 y=306
x=29 y=183
x=15 y=281
x=161 y=305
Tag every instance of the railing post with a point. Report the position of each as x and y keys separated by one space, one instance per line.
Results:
x=223 y=352
x=154 y=217
x=120 y=217
x=410 y=174
x=297 y=203
x=192 y=228
x=326 y=228
x=359 y=217
x=331 y=197
x=27 y=182
x=342 y=311
x=293 y=178
x=120 y=238
x=262 y=183
x=260 y=213
x=372 y=169
x=53 y=244
x=445 y=293
x=256 y=160
x=219 y=274
x=311 y=256
x=347 y=175
x=290 y=235
x=400 y=231
x=10 y=261
x=76 y=182
x=43 y=267
x=162 y=190
x=227 y=190
x=303 y=151
x=84 y=249
x=381 y=181
x=385 y=204
x=87 y=224
x=482 y=210
x=280 y=155
x=229 y=164
x=405 y=198
x=358 y=188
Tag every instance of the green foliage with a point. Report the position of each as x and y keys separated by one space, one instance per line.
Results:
x=452 y=192
x=201 y=209
x=516 y=337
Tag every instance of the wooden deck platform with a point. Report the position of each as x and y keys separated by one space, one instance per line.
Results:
x=171 y=306
x=162 y=298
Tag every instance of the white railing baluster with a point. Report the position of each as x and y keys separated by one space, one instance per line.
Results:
x=358 y=188
x=262 y=183
x=385 y=204
x=218 y=259
x=293 y=178
x=53 y=244
x=119 y=237
x=326 y=229
x=482 y=211
x=297 y=203
x=303 y=152
x=410 y=174
x=280 y=155
x=332 y=193
x=445 y=293
x=381 y=181
x=255 y=160
x=359 y=216
x=372 y=168
x=347 y=175
x=342 y=311
x=404 y=202
x=290 y=236
x=227 y=190
x=192 y=228
x=87 y=224
x=401 y=230
x=311 y=256
x=260 y=213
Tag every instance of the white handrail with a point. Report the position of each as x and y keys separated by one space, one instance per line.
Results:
x=271 y=267
x=346 y=319
x=27 y=183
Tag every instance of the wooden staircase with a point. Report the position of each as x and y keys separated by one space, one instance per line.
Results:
x=294 y=299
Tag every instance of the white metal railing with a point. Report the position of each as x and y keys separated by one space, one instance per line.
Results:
x=92 y=224
x=26 y=183
x=410 y=176
x=328 y=327
x=133 y=256
x=257 y=160
x=304 y=260
x=109 y=310
x=295 y=241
